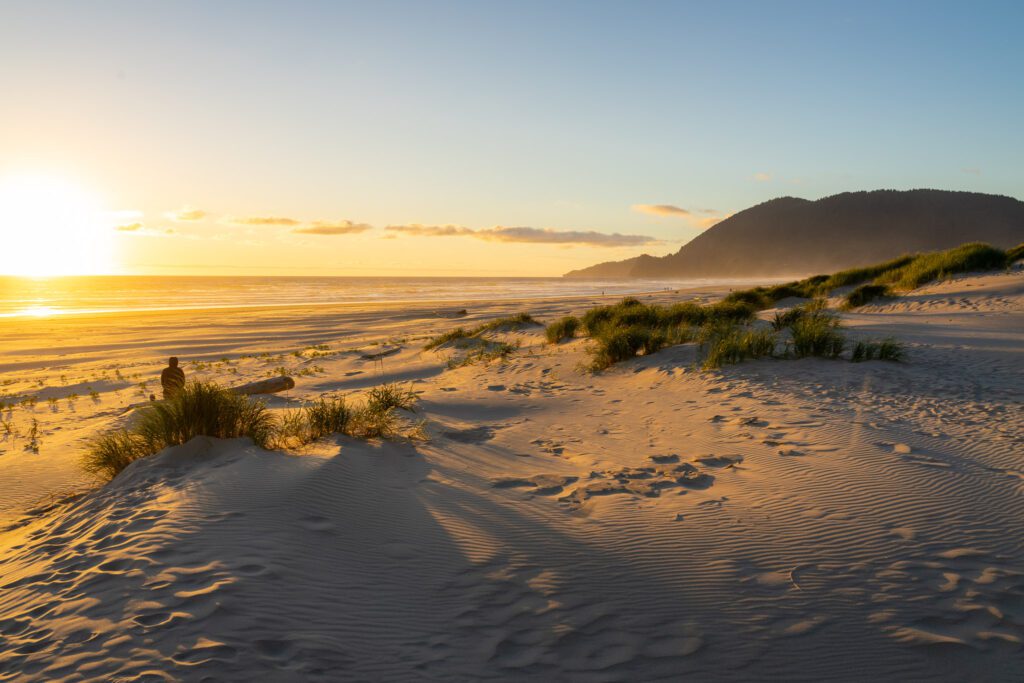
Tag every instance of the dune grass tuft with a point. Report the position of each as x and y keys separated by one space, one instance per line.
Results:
x=725 y=344
x=562 y=329
x=199 y=409
x=511 y=322
x=864 y=295
x=943 y=264
x=1015 y=254
x=817 y=334
x=205 y=409
x=888 y=349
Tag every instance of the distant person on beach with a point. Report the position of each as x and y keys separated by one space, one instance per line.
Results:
x=172 y=378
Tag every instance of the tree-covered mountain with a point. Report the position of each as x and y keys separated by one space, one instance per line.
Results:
x=791 y=236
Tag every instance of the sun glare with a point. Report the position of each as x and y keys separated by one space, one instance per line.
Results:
x=51 y=227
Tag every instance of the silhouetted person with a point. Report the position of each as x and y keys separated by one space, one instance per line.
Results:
x=172 y=378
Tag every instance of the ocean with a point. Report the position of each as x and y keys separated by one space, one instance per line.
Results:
x=108 y=294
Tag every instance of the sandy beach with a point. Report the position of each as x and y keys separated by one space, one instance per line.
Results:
x=837 y=520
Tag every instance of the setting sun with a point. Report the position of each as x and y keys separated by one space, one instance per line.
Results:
x=51 y=227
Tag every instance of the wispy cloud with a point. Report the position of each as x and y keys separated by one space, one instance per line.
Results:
x=187 y=214
x=526 y=235
x=264 y=220
x=141 y=230
x=661 y=210
x=762 y=177
x=333 y=228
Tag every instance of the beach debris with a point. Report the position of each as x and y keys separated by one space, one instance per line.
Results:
x=381 y=353
x=456 y=313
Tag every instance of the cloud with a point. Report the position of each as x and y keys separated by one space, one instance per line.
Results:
x=264 y=220
x=661 y=209
x=142 y=230
x=187 y=213
x=333 y=228
x=526 y=235
x=706 y=223
x=762 y=177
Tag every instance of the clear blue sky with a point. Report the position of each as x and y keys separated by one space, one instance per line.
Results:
x=554 y=115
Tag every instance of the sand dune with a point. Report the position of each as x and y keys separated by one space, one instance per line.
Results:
x=778 y=520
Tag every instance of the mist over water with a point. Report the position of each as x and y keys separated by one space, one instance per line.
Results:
x=96 y=294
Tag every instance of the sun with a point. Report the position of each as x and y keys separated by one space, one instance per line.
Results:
x=49 y=226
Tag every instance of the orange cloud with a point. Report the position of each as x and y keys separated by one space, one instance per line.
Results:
x=333 y=228
x=661 y=209
x=187 y=213
x=526 y=235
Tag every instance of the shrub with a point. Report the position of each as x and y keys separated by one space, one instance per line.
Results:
x=943 y=264
x=865 y=294
x=562 y=329
x=388 y=396
x=817 y=335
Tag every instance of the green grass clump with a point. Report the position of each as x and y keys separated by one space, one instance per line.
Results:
x=943 y=264
x=391 y=395
x=199 y=409
x=887 y=349
x=327 y=415
x=784 y=319
x=728 y=344
x=864 y=295
x=817 y=335
x=614 y=345
x=512 y=322
x=856 y=276
x=451 y=335
x=562 y=329
x=1015 y=254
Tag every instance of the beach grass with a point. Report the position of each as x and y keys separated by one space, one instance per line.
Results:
x=865 y=294
x=504 y=324
x=562 y=329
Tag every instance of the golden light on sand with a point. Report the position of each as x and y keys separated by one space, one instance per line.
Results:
x=49 y=226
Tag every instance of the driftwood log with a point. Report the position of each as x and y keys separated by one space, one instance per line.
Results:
x=265 y=386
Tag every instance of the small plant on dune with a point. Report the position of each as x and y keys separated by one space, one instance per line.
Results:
x=784 y=319
x=53 y=403
x=327 y=415
x=562 y=329
x=864 y=295
x=817 y=335
x=615 y=345
x=484 y=353
x=511 y=322
x=33 y=437
x=391 y=395
x=887 y=349
x=199 y=409
x=1015 y=254
x=111 y=452
x=449 y=336
x=291 y=430
x=725 y=344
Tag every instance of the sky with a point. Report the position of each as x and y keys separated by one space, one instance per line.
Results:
x=475 y=138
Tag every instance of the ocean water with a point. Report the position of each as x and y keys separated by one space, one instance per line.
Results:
x=103 y=294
